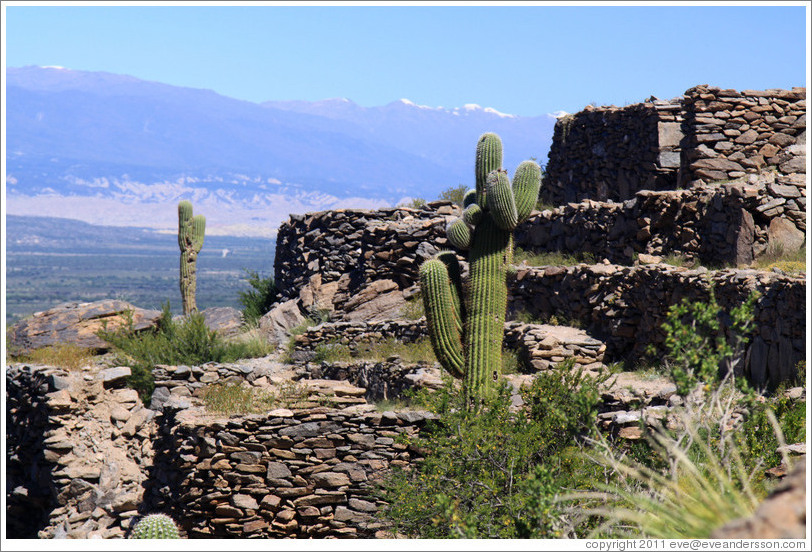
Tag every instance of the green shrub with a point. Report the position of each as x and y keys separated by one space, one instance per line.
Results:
x=188 y=342
x=757 y=439
x=698 y=348
x=454 y=194
x=413 y=203
x=495 y=474
x=258 y=300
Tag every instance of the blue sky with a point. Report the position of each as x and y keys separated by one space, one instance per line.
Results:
x=525 y=60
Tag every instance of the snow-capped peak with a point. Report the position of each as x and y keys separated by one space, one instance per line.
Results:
x=410 y=103
x=477 y=107
x=498 y=113
x=58 y=67
x=558 y=114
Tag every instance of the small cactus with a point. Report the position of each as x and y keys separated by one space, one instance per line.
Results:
x=191 y=231
x=155 y=526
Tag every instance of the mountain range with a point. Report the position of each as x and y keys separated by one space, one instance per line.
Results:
x=116 y=150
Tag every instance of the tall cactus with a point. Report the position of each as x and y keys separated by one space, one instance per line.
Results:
x=191 y=231
x=467 y=332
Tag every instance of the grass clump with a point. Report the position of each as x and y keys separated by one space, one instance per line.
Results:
x=419 y=350
x=552 y=258
x=233 y=398
x=777 y=256
x=238 y=399
x=188 y=342
x=678 y=260
x=701 y=489
x=62 y=355
x=413 y=309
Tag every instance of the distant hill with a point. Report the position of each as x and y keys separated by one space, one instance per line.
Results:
x=113 y=149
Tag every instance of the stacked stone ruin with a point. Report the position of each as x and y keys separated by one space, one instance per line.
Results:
x=712 y=176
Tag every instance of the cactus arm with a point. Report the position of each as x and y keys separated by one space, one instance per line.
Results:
x=472 y=214
x=469 y=198
x=441 y=317
x=452 y=265
x=198 y=232
x=459 y=234
x=488 y=158
x=500 y=200
x=526 y=185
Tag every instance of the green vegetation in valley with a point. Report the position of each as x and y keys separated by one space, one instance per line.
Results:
x=54 y=261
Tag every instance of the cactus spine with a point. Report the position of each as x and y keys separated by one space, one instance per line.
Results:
x=155 y=526
x=191 y=231
x=467 y=334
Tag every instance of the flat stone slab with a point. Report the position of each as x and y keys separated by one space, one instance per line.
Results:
x=77 y=324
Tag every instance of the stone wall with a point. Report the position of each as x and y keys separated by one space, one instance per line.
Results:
x=610 y=153
x=78 y=450
x=539 y=345
x=357 y=246
x=287 y=474
x=712 y=225
x=625 y=308
x=707 y=135
x=730 y=134
x=86 y=459
x=30 y=495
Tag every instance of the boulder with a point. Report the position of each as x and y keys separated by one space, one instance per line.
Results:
x=77 y=324
x=783 y=235
x=782 y=515
x=278 y=322
x=380 y=300
x=226 y=321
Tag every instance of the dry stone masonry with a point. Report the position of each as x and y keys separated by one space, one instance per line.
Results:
x=352 y=247
x=716 y=176
x=707 y=135
x=611 y=153
x=79 y=447
x=625 y=308
x=287 y=473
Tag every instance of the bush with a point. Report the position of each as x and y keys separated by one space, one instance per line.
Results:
x=454 y=194
x=413 y=203
x=495 y=474
x=258 y=300
x=699 y=347
x=188 y=342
